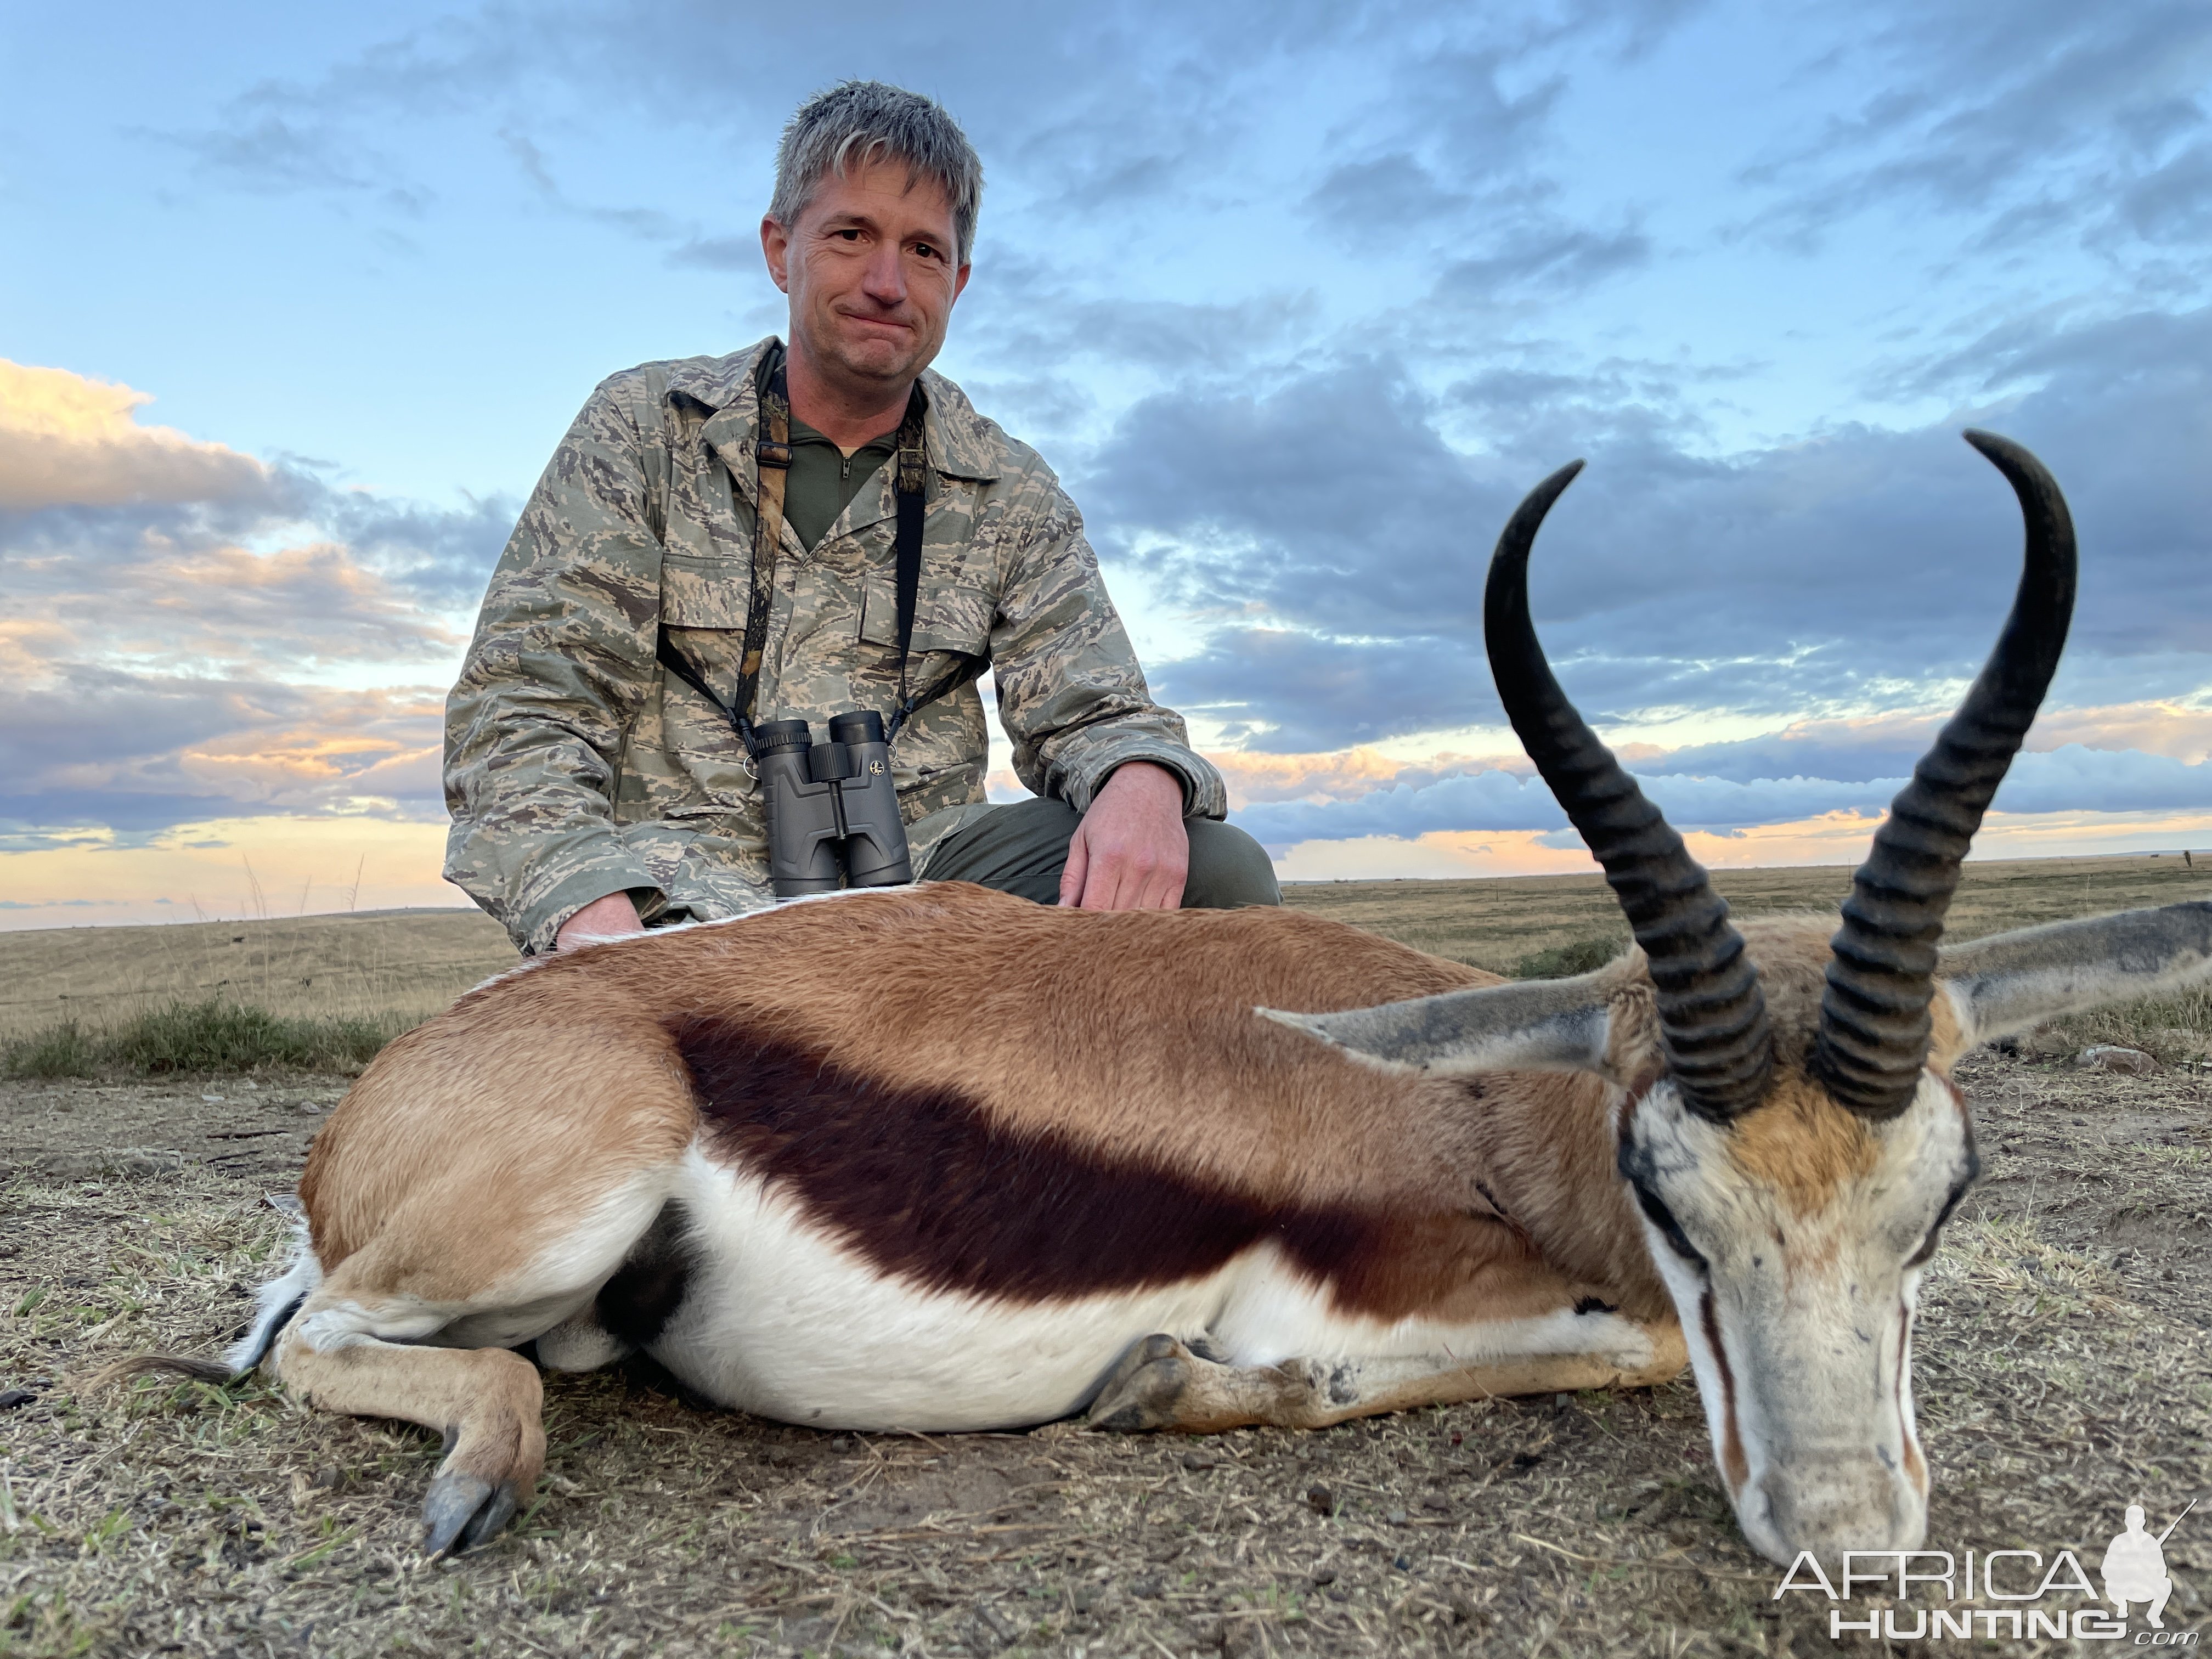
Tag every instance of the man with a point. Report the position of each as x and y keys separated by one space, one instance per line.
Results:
x=2134 y=1570
x=595 y=769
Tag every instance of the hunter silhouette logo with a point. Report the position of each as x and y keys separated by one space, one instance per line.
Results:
x=2135 y=1566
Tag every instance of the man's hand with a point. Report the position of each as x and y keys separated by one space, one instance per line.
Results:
x=611 y=917
x=1131 y=851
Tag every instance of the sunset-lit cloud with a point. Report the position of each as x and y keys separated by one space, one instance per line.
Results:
x=189 y=637
x=66 y=441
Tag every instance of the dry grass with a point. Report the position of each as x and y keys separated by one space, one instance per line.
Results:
x=1498 y=924
x=2064 y=1372
x=381 y=965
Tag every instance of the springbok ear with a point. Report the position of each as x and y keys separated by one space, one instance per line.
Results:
x=2010 y=981
x=1530 y=1025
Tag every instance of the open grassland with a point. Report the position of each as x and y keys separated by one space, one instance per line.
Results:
x=396 y=967
x=1500 y=924
x=380 y=965
x=2064 y=1370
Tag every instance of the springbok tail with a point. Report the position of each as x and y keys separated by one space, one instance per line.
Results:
x=277 y=1301
x=153 y=1364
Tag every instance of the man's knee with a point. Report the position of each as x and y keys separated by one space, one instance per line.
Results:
x=1228 y=868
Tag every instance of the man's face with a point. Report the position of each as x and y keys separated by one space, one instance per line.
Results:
x=870 y=268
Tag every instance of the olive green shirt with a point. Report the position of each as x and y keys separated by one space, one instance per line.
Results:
x=823 y=479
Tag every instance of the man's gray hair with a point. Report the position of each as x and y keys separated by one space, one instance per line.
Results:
x=857 y=122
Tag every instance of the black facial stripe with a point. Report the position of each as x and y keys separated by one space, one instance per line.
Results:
x=1669 y=1229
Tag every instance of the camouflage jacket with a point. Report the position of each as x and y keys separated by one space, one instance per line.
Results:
x=576 y=766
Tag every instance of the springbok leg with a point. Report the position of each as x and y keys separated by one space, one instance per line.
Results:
x=486 y=1402
x=1161 y=1384
x=459 y=1208
x=414 y=1327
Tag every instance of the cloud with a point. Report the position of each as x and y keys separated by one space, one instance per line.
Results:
x=2039 y=119
x=1331 y=543
x=1254 y=776
x=1887 y=746
x=271 y=154
x=2067 y=780
x=438 y=554
x=163 y=590
x=1036 y=316
x=138 y=754
x=1289 y=691
x=1563 y=258
x=171 y=611
x=65 y=439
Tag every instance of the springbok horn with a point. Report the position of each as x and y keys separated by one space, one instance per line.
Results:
x=1712 y=1016
x=1873 y=1015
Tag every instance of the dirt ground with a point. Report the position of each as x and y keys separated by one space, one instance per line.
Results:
x=2063 y=1374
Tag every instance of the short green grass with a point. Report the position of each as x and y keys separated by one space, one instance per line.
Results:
x=1580 y=955
x=211 y=1035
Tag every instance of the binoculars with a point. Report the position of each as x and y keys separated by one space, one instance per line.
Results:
x=832 y=811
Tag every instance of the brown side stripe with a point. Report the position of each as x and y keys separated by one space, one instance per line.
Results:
x=922 y=1185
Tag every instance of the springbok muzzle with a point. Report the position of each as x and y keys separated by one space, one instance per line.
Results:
x=1829 y=1502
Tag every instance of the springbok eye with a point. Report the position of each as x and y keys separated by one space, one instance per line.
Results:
x=1919 y=1258
x=1669 y=1229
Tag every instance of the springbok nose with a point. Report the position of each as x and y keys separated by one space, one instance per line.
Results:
x=1830 y=1502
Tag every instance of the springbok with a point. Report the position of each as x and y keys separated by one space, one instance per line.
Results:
x=939 y=1158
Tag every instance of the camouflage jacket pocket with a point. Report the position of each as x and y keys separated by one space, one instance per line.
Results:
x=950 y=624
x=702 y=606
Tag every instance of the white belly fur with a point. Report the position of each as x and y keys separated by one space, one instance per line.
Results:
x=781 y=1320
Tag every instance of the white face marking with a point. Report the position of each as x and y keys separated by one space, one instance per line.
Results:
x=1799 y=1321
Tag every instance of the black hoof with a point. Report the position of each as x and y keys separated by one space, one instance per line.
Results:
x=462 y=1511
x=1142 y=1392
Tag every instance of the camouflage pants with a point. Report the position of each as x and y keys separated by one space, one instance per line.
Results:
x=1022 y=848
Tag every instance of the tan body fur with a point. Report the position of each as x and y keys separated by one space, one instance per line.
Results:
x=1169 y=1068
x=456 y=1167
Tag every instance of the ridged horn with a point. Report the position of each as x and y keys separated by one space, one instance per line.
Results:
x=1712 y=1016
x=1874 y=1031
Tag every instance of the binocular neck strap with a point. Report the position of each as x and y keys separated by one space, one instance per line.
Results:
x=772 y=453
x=906 y=486
x=909 y=488
x=772 y=458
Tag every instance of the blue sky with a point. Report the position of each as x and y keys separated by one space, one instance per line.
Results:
x=1297 y=298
